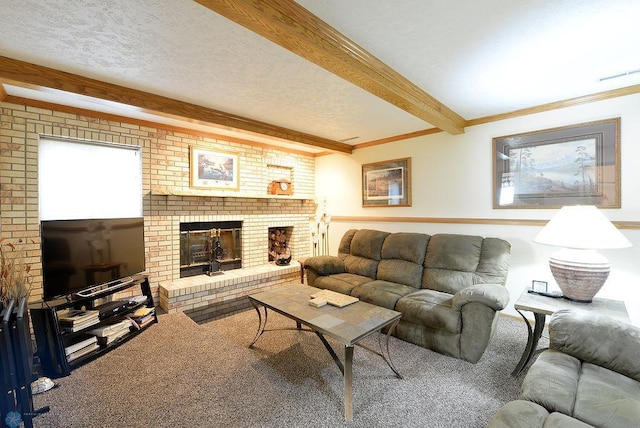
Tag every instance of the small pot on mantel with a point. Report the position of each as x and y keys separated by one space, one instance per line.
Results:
x=284 y=258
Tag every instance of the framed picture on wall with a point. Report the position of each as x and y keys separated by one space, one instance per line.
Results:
x=571 y=165
x=387 y=184
x=213 y=170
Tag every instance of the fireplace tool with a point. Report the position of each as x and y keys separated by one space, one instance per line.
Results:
x=215 y=253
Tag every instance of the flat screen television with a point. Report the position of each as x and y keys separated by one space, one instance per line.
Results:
x=80 y=255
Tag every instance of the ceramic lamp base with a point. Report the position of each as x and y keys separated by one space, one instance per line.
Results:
x=580 y=274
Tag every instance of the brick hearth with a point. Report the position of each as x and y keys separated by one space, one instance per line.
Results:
x=207 y=297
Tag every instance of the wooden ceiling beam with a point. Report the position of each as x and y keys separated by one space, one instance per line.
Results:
x=47 y=105
x=34 y=76
x=291 y=26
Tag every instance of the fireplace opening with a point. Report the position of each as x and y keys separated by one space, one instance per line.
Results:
x=209 y=247
x=279 y=244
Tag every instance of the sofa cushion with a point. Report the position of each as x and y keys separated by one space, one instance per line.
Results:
x=607 y=398
x=368 y=244
x=454 y=262
x=591 y=393
x=401 y=272
x=448 y=281
x=345 y=243
x=493 y=265
x=430 y=308
x=361 y=266
x=451 y=262
x=381 y=293
x=598 y=339
x=402 y=258
x=365 y=252
x=341 y=282
x=552 y=382
x=453 y=252
x=411 y=247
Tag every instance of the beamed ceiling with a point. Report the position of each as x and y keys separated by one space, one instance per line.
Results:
x=317 y=76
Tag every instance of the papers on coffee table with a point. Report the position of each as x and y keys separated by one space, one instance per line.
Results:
x=333 y=298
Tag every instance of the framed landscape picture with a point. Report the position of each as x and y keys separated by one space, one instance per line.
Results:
x=571 y=165
x=387 y=184
x=213 y=169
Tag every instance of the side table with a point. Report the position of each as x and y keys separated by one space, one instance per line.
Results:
x=541 y=306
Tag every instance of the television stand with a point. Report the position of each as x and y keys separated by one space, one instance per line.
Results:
x=70 y=333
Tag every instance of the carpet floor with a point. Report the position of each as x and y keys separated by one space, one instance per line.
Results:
x=182 y=374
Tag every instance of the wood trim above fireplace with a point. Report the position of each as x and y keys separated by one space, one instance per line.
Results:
x=162 y=191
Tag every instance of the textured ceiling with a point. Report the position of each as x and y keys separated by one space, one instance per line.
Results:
x=482 y=58
x=477 y=58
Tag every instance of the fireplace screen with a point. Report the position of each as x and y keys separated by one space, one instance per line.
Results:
x=210 y=246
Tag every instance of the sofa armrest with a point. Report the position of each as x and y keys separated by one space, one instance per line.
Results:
x=597 y=339
x=495 y=296
x=325 y=265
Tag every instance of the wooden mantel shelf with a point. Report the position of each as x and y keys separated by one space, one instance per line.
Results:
x=164 y=191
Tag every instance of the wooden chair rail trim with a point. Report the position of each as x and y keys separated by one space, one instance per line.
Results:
x=487 y=221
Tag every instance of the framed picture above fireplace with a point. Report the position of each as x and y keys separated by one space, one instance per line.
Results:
x=213 y=169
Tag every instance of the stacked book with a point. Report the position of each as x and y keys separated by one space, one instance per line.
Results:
x=143 y=316
x=77 y=319
x=81 y=348
x=110 y=333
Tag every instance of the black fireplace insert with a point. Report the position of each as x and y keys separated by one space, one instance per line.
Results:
x=207 y=246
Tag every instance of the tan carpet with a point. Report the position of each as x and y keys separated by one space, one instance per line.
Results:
x=181 y=374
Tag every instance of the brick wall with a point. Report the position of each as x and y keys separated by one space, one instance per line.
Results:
x=167 y=196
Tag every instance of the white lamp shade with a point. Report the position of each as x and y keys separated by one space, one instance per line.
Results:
x=581 y=227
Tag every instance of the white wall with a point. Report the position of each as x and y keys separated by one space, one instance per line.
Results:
x=452 y=178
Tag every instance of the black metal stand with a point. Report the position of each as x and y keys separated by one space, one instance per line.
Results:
x=16 y=403
x=52 y=339
x=214 y=268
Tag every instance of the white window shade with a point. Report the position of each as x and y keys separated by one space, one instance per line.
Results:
x=85 y=179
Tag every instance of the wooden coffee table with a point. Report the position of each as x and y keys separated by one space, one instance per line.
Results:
x=348 y=325
x=541 y=306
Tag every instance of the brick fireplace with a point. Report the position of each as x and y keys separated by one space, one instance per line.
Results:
x=203 y=296
x=167 y=195
x=256 y=232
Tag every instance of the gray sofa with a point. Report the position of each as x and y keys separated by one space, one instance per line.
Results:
x=449 y=288
x=589 y=376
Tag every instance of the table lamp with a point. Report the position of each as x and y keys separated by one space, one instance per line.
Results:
x=577 y=268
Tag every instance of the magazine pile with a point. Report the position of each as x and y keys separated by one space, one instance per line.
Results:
x=72 y=320
x=110 y=333
x=142 y=317
x=85 y=346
